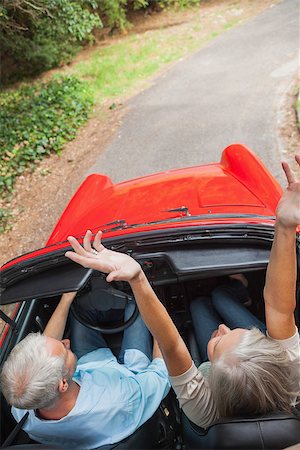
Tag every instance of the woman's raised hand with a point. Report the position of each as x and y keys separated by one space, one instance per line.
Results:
x=288 y=208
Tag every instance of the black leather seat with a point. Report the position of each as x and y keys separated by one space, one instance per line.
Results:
x=158 y=431
x=271 y=432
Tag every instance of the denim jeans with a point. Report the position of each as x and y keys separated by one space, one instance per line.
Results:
x=136 y=336
x=224 y=306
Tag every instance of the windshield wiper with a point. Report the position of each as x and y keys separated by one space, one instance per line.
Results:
x=189 y=217
x=182 y=209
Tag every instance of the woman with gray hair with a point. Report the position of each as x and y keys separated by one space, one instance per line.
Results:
x=251 y=373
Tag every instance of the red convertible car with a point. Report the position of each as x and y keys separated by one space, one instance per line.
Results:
x=188 y=228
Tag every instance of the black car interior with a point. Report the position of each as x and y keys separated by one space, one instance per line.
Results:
x=178 y=277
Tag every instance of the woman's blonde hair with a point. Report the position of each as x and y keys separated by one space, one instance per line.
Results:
x=255 y=378
x=31 y=375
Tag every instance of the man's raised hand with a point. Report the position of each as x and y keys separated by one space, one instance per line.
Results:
x=94 y=255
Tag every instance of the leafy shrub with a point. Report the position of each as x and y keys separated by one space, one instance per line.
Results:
x=37 y=120
x=114 y=12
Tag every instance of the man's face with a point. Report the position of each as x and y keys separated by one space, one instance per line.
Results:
x=62 y=348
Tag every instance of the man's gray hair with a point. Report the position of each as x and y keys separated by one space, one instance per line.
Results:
x=30 y=376
x=256 y=377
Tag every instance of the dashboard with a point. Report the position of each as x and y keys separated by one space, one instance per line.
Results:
x=190 y=263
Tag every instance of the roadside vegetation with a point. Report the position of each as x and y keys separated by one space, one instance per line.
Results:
x=38 y=35
x=38 y=117
x=37 y=120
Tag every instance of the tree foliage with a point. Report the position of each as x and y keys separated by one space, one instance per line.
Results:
x=37 y=35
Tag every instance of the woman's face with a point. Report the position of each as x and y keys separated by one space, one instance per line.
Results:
x=223 y=339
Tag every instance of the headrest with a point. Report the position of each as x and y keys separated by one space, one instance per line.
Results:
x=274 y=431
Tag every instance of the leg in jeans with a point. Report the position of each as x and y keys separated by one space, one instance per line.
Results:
x=227 y=302
x=205 y=321
x=137 y=336
x=84 y=339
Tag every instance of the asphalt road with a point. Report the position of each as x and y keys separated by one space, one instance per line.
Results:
x=230 y=91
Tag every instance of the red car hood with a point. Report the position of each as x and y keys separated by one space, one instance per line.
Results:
x=237 y=189
x=239 y=185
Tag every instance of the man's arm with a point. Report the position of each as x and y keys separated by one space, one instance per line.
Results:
x=280 y=286
x=56 y=326
x=119 y=266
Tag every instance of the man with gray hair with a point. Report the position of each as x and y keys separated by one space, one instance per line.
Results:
x=91 y=402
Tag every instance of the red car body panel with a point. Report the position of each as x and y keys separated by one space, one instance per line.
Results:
x=238 y=184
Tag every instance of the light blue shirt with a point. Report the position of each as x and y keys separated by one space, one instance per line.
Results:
x=114 y=400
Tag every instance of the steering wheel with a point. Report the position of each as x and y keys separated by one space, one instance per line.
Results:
x=101 y=297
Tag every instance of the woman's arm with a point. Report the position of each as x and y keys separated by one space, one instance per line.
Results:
x=119 y=266
x=280 y=286
x=161 y=326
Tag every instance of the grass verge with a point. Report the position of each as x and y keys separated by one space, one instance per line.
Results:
x=118 y=69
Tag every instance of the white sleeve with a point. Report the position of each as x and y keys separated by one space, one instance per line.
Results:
x=195 y=397
x=291 y=345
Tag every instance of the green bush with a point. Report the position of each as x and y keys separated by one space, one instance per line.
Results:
x=114 y=12
x=37 y=120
